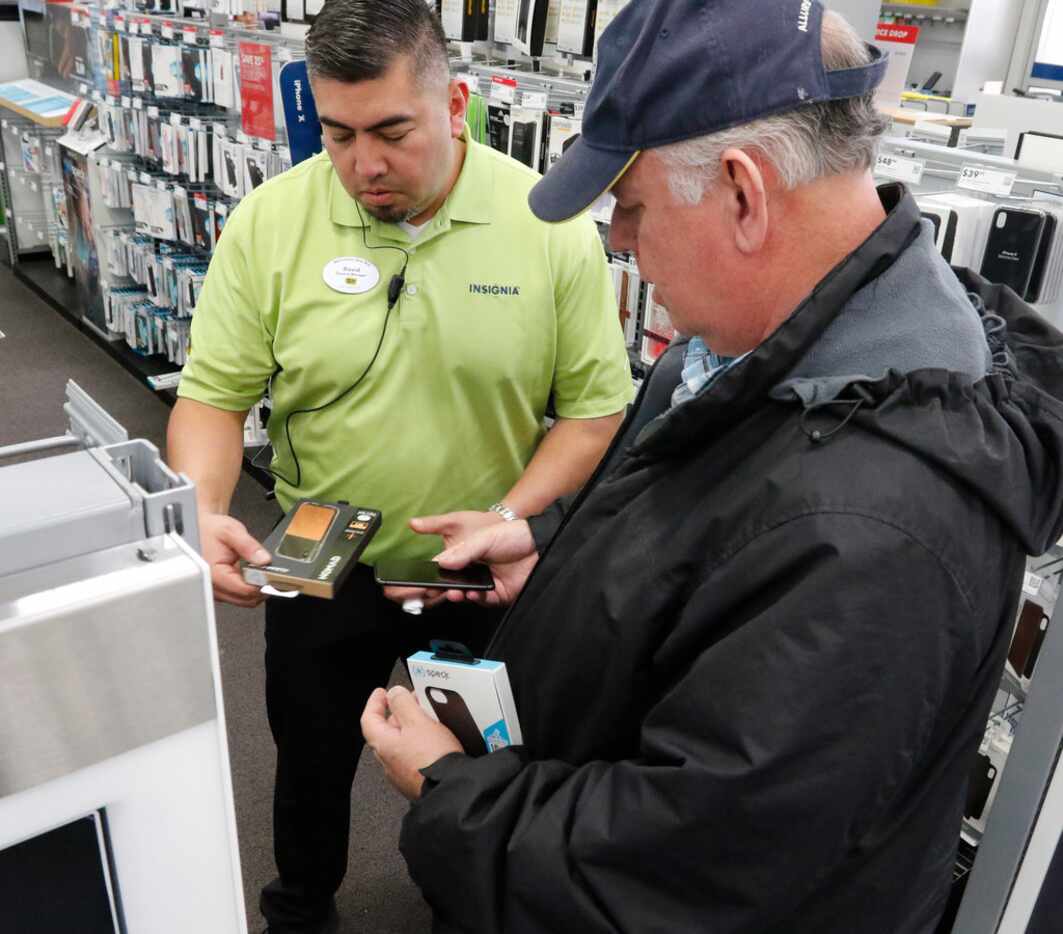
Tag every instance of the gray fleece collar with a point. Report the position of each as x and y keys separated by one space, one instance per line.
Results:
x=915 y=316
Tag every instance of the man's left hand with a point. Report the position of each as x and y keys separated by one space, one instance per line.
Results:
x=407 y=741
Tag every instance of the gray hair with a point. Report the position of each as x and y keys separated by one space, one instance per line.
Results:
x=358 y=40
x=810 y=142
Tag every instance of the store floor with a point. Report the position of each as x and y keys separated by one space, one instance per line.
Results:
x=38 y=353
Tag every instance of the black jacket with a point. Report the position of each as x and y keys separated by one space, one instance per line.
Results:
x=752 y=668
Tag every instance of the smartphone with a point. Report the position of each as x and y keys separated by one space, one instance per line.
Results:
x=402 y=573
x=931 y=82
x=307 y=530
x=453 y=713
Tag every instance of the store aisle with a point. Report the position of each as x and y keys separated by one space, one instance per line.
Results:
x=38 y=353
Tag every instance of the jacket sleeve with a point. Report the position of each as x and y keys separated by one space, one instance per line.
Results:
x=544 y=526
x=793 y=698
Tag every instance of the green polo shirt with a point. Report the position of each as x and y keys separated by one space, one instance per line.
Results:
x=499 y=313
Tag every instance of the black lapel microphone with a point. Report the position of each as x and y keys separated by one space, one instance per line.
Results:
x=395 y=288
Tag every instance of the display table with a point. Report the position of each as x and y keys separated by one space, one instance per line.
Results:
x=909 y=117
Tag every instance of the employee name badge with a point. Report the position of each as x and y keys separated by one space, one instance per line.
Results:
x=351 y=275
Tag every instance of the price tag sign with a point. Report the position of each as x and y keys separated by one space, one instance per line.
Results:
x=503 y=89
x=900 y=169
x=1031 y=584
x=986 y=181
x=190 y=35
x=217 y=39
x=167 y=30
x=534 y=99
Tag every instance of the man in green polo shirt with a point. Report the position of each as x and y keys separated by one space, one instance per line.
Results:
x=413 y=319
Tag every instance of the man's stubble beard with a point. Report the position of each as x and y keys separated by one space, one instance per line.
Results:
x=392 y=215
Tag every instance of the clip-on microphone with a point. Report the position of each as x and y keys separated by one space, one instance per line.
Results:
x=395 y=288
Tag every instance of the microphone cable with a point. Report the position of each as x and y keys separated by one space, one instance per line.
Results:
x=395 y=287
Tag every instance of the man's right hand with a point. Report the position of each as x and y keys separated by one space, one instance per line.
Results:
x=507 y=547
x=225 y=541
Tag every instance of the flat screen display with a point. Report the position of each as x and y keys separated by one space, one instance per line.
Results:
x=1048 y=62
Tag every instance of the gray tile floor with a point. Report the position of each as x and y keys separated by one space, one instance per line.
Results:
x=38 y=353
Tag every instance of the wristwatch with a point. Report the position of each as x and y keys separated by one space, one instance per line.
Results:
x=504 y=511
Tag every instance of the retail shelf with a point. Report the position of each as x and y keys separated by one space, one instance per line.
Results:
x=920 y=9
x=40 y=275
x=1012 y=684
x=970 y=834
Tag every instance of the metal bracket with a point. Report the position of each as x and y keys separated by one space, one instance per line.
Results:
x=88 y=420
x=168 y=499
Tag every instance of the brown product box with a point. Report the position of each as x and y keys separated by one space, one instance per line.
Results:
x=314 y=548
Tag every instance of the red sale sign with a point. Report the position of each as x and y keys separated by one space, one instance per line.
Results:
x=891 y=32
x=256 y=90
x=899 y=41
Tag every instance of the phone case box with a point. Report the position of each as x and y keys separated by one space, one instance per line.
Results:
x=473 y=700
x=350 y=530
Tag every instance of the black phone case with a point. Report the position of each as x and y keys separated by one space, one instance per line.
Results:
x=523 y=148
x=455 y=716
x=1011 y=251
x=498 y=127
x=979 y=787
x=949 y=240
x=1027 y=638
x=1048 y=237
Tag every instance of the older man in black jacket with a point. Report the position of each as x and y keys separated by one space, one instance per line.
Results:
x=754 y=658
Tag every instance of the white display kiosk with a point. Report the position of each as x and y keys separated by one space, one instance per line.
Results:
x=110 y=689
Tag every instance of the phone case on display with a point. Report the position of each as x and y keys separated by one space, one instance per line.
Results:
x=1029 y=633
x=948 y=238
x=453 y=713
x=523 y=142
x=531 y=27
x=576 y=29
x=1013 y=247
x=498 y=126
x=254 y=168
x=979 y=786
x=1044 y=252
x=460 y=19
x=1040 y=150
x=306 y=531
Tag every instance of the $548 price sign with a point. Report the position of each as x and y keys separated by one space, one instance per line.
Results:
x=900 y=169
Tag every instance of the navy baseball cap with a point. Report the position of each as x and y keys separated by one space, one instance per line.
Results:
x=669 y=70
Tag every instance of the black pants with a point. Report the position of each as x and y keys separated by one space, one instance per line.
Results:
x=323 y=659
